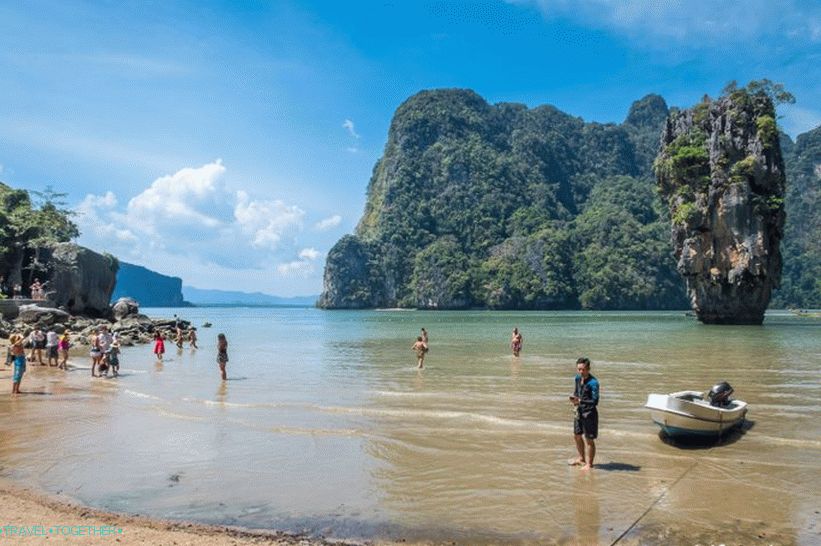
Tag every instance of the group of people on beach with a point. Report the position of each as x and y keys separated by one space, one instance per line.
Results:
x=55 y=346
x=105 y=353
x=191 y=336
x=180 y=336
x=585 y=399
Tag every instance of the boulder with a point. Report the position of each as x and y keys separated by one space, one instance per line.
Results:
x=46 y=316
x=133 y=323
x=125 y=307
x=721 y=171
x=80 y=280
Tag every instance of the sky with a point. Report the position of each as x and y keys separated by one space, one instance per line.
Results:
x=231 y=143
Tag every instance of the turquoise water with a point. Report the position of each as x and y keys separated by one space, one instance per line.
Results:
x=325 y=426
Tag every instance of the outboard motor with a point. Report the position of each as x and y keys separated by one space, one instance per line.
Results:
x=720 y=394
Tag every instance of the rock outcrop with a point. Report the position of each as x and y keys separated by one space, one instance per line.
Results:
x=721 y=171
x=45 y=316
x=79 y=280
x=349 y=281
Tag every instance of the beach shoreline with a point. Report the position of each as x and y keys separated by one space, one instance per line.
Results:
x=29 y=514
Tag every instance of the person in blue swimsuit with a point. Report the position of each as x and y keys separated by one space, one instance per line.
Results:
x=18 y=354
x=585 y=398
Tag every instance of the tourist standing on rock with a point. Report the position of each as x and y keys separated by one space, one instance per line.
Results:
x=52 y=340
x=17 y=291
x=585 y=398
x=36 y=289
x=4 y=288
x=159 y=344
x=420 y=347
x=222 y=354
x=37 y=340
x=516 y=342
x=63 y=345
x=18 y=353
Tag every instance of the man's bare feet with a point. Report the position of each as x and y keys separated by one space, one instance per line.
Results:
x=576 y=462
x=587 y=467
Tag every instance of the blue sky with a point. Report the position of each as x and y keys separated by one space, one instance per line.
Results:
x=231 y=143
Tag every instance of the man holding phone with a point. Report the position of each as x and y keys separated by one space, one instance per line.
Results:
x=586 y=423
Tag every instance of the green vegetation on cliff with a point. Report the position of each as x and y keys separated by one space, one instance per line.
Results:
x=28 y=224
x=508 y=207
x=801 y=247
x=502 y=206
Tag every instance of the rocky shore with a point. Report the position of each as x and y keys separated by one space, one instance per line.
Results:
x=125 y=320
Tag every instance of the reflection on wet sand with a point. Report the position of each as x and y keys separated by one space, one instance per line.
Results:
x=585 y=501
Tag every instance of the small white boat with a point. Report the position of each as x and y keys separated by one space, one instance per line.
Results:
x=689 y=413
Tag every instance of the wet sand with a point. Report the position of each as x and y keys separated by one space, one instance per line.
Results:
x=65 y=522
x=72 y=523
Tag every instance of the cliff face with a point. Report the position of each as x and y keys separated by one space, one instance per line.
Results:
x=721 y=170
x=79 y=280
x=801 y=248
x=475 y=204
x=349 y=282
x=149 y=288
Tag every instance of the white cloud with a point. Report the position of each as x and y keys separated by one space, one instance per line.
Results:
x=349 y=125
x=299 y=267
x=191 y=217
x=688 y=23
x=328 y=223
x=265 y=221
x=309 y=253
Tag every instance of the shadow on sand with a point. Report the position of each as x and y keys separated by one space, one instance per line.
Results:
x=697 y=442
x=617 y=467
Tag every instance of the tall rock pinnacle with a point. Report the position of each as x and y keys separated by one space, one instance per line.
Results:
x=722 y=174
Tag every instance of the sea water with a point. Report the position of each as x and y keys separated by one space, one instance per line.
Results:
x=325 y=426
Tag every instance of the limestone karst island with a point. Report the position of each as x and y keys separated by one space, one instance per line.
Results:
x=506 y=207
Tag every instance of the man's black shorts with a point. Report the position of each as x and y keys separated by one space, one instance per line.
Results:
x=589 y=426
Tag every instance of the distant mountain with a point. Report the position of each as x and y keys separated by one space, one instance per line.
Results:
x=148 y=287
x=199 y=296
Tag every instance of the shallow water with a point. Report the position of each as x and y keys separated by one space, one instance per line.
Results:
x=326 y=426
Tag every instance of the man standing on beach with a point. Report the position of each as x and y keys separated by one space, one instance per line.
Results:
x=586 y=423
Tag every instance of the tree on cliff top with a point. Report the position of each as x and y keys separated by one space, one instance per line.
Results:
x=25 y=226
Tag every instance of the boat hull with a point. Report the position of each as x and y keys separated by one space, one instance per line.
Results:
x=686 y=414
